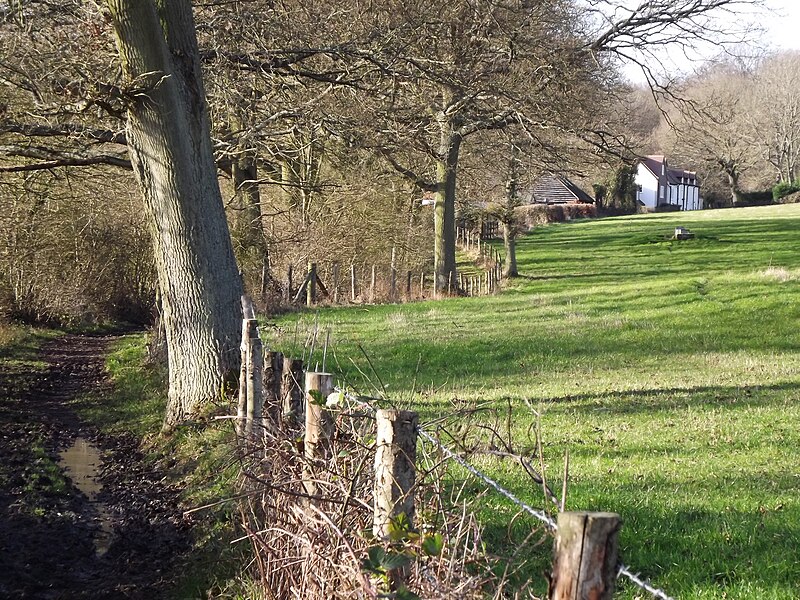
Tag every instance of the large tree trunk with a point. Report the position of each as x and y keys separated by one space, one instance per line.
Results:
x=508 y=216
x=733 y=183
x=444 y=258
x=249 y=233
x=170 y=146
x=510 y=243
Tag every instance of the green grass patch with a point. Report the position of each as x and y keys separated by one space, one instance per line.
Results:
x=669 y=369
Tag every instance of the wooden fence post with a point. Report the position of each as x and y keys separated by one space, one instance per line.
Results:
x=311 y=285
x=586 y=556
x=393 y=277
x=292 y=392
x=255 y=388
x=336 y=283
x=352 y=282
x=372 y=287
x=249 y=330
x=422 y=285
x=408 y=286
x=319 y=425
x=273 y=372
x=395 y=471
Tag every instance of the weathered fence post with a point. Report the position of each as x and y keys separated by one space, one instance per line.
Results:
x=372 y=287
x=292 y=392
x=586 y=556
x=395 y=471
x=450 y=283
x=408 y=286
x=319 y=425
x=352 y=282
x=311 y=285
x=336 y=283
x=249 y=330
x=273 y=373
x=255 y=387
x=393 y=277
x=422 y=285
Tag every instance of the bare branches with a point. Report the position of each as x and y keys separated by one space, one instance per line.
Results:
x=52 y=159
x=74 y=130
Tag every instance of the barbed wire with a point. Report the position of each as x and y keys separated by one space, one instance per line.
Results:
x=642 y=583
x=622 y=571
x=538 y=514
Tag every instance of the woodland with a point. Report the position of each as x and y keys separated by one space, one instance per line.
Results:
x=279 y=141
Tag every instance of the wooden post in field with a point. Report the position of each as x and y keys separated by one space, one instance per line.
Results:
x=291 y=396
x=393 y=277
x=289 y=285
x=319 y=425
x=336 y=283
x=450 y=283
x=372 y=287
x=422 y=285
x=395 y=471
x=249 y=330
x=408 y=286
x=352 y=282
x=311 y=286
x=586 y=556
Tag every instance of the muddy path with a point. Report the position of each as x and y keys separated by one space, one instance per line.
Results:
x=82 y=514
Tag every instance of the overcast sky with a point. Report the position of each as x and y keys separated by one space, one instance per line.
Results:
x=780 y=22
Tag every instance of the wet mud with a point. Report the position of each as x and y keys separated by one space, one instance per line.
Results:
x=82 y=514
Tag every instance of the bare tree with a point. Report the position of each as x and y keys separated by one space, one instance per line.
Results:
x=170 y=146
x=775 y=118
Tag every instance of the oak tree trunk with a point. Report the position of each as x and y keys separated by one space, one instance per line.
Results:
x=510 y=244
x=445 y=208
x=170 y=145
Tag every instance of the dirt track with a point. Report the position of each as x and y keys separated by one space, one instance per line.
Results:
x=47 y=531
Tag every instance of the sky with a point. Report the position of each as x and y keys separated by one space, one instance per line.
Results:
x=779 y=20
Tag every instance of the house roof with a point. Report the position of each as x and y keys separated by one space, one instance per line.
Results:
x=556 y=189
x=654 y=162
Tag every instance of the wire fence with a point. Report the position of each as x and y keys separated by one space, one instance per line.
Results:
x=364 y=402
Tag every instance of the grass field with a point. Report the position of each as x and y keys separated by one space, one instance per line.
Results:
x=670 y=370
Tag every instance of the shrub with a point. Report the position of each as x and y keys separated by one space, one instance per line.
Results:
x=784 y=188
x=533 y=215
x=758 y=198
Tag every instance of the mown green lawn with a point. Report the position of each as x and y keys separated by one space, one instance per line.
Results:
x=669 y=370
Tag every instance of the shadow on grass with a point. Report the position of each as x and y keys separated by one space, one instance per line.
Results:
x=708 y=545
x=652 y=400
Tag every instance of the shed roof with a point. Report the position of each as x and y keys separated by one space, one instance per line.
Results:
x=557 y=189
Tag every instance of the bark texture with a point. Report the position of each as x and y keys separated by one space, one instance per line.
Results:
x=170 y=145
x=445 y=207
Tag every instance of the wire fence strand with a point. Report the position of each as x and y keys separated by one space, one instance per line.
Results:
x=550 y=523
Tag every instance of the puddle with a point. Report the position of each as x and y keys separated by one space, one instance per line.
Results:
x=81 y=463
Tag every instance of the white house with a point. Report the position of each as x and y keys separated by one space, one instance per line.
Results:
x=659 y=185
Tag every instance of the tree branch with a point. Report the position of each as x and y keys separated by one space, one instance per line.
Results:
x=418 y=181
x=52 y=159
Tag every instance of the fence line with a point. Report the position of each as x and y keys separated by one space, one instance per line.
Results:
x=542 y=516
x=317 y=398
x=550 y=523
x=379 y=282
